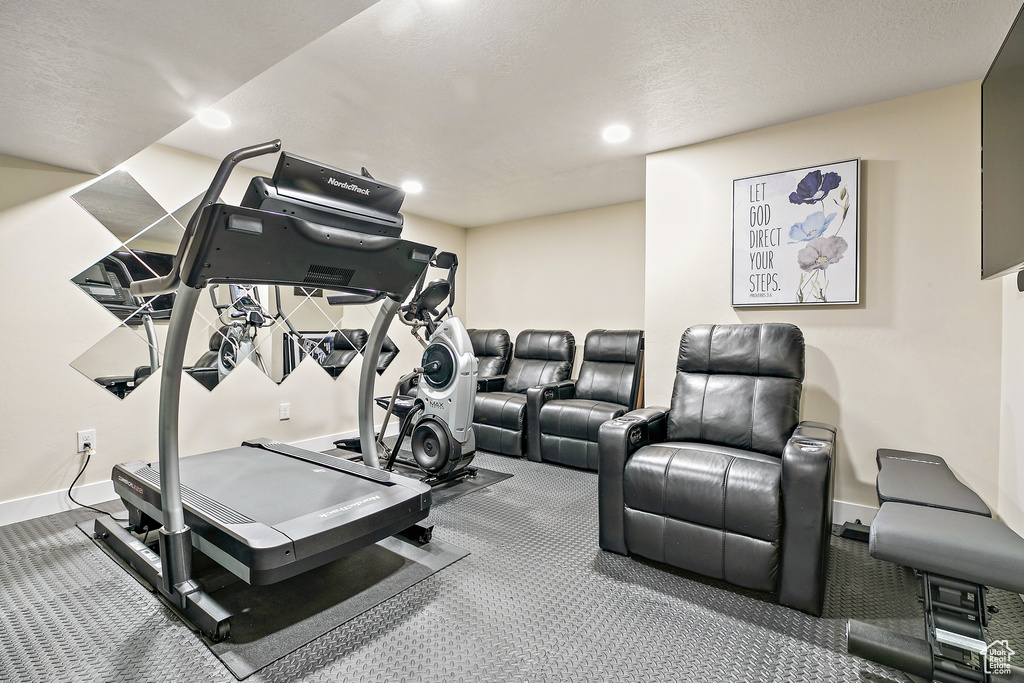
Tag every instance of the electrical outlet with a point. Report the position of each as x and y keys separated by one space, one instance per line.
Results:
x=86 y=440
x=286 y=411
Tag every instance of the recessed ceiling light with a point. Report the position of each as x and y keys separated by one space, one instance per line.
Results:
x=616 y=133
x=214 y=118
x=412 y=187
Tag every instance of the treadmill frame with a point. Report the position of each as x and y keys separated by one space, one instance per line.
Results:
x=170 y=571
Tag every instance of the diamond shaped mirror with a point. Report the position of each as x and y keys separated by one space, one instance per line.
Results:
x=120 y=362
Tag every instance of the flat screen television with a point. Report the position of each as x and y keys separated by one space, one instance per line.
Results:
x=1002 y=158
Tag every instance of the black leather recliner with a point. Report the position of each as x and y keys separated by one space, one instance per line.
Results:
x=388 y=351
x=347 y=344
x=541 y=357
x=493 y=351
x=205 y=369
x=563 y=420
x=726 y=482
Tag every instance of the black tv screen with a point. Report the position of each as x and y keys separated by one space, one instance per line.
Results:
x=1002 y=144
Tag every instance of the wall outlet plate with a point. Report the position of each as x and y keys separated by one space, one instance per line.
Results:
x=86 y=440
x=286 y=411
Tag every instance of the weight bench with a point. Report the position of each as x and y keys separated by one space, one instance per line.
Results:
x=932 y=522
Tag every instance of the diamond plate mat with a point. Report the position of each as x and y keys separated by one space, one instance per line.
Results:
x=536 y=600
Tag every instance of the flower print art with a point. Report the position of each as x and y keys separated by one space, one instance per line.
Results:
x=814 y=187
x=815 y=258
x=795 y=237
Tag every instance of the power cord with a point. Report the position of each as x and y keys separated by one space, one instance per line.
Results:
x=89 y=450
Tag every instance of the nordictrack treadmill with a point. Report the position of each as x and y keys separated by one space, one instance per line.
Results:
x=266 y=511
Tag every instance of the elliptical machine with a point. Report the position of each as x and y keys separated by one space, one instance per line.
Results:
x=435 y=401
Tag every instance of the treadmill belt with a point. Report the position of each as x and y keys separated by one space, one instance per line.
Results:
x=270 y=488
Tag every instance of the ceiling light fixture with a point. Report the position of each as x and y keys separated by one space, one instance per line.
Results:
x=214 y=118
x=616 y=133
x=412 y=187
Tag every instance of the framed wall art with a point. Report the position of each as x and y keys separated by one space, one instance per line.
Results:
x=796 y=237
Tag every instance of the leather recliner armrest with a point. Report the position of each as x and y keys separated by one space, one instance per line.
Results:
x=536 y=397
x=617 y=440
x=496 y=383
x=808 y=473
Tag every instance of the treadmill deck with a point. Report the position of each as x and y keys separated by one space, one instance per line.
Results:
x=266 y=515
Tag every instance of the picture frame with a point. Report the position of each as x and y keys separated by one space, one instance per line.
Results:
x=294 y=352
x=796 y=237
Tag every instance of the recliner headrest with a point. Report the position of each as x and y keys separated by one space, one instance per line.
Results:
x=490 y=342
x=767 y=349
x=613 y=346
x=388 y=351
x=545 y=345
x=354 y=339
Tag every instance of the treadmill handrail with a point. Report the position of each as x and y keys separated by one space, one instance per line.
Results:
x=168 y=283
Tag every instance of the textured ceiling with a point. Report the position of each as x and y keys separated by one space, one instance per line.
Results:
x=86 y=85
x=497 y=106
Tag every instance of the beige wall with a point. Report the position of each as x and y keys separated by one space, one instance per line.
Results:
x=46 y=239
x=917 y=364
x=577 y=271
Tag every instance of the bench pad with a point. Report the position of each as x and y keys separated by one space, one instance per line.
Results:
x=923 y=479
x=954 y=544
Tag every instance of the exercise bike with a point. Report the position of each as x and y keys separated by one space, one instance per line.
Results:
x=435 y=401
x=245 y=317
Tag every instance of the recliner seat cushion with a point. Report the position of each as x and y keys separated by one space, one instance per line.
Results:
x=501 y=409
x=715 y=486
x=577 y=418
x=569 y=451
x=738 y=559
x=709 y=509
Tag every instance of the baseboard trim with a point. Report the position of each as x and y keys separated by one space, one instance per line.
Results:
x=42 y=504
x=851 y=512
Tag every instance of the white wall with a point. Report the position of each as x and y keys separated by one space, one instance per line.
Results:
x=916 y=365
x=574 y=271
x=46 y=239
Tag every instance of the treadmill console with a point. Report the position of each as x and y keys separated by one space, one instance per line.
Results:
x=321 y=194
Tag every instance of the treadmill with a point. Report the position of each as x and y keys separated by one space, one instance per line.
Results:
x=266 y=511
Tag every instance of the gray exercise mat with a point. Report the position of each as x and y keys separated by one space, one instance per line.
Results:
x=273 y=621
x=442 y=493
x=536 y=600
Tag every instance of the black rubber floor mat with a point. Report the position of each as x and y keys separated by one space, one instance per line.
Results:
x=273 y=621
x=442 y=493
x=536 y=600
